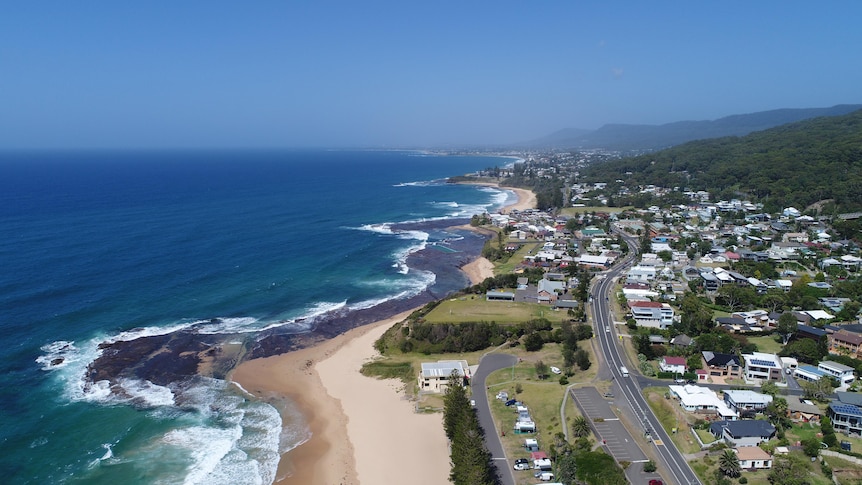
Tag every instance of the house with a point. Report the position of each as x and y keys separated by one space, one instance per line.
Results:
x=747 y=432
x=434 y=376
x=843 y=373
x=802 y=410
x=808 y=373
x=753 y=458
x=845 y=417
x=548 y=291
x=673 y=364
x=702 y=400
x=762 y=366
x=722 y=365
x=682 y=341
x=652 y=314
x=843 y=342
x=745 y=401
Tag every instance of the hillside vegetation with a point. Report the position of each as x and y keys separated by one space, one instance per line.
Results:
x=797 y=164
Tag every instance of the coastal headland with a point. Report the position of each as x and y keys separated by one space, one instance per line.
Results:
x=362 y=430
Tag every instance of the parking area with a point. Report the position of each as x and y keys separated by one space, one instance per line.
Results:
x=608 y=428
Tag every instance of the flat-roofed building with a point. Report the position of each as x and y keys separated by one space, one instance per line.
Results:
x=762 y=366
x=434 y=376
x=844 y=373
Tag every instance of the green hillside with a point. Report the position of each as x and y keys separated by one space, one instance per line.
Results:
x=796 y=164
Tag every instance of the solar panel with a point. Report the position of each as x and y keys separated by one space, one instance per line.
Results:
x=847 y=409
x=763 y=363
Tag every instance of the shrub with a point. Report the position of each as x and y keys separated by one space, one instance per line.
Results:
x=649 y=466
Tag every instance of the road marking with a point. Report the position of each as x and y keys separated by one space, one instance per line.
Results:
x=658 y=442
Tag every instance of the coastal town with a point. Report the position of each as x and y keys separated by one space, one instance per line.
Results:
x=741 y=327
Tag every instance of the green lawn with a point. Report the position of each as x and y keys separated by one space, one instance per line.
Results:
x=476 y=309
x=672 y=416
x=527 y=247
x=766 y=344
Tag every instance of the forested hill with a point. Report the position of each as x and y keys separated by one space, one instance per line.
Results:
x=623 y=137
x=796 y=164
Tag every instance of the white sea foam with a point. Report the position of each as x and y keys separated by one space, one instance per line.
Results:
x=146 y=393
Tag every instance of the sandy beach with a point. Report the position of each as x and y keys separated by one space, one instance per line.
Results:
x=386 y=441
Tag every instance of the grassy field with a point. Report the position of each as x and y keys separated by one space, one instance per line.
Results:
x=474 y=308
x=672 y=416
x=542 y=397
x=527 y=248
x=706 y=467
x=766 y=344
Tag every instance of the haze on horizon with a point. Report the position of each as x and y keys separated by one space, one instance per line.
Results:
x=405 y=74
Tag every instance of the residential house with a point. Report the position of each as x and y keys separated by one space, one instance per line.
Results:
x=434 y=376
x=672 y=364
x=745 y=401
x=741 y=433
x=753 y=458
x=843 y=373
x=802 y=410
x=843 y=342
x=762 y=366
x=845 y=417
x=682 y=341
x=702 y=400
x=652 y=314
x=808 y=373
x=548 y=291
x=722 y=365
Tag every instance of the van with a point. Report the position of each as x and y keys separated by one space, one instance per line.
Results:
x=545 y=476
x=624 y=371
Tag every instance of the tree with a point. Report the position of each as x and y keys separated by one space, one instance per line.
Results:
x=455 y=405
x=542 y=370
x=819 y=389
x=811 y=447
x=583 y=359
x=580 y=427
x=728 y=464
x=566 y=467
x=789 y=470
x=786 y=327
x=770 y=388
x=533 y=342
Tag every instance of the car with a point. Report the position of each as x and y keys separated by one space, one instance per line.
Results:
x=691 y=381
x=521 y=464
x=511 y=402
x=656 y=482
x=679 y=381
x=608 y=394
x=544 y=476
x=556 y=370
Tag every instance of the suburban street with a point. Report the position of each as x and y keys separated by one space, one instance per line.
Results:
x=674 y=463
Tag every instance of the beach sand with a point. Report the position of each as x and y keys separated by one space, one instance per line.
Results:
x=363 y=430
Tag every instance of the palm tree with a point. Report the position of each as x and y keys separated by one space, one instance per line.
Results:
x=728 y=464
x=580 y=426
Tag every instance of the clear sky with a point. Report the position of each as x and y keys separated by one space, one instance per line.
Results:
x=404 y=73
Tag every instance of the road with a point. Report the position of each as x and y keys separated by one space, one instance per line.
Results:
x=601 y=292
x=488 y=364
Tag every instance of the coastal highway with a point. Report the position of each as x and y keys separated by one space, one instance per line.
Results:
x=602 y=290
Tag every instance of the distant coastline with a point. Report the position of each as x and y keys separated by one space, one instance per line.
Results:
x=324 y=380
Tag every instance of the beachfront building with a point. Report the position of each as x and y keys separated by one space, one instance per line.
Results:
x=762 y=366
x=434 y=376
x=745 y=401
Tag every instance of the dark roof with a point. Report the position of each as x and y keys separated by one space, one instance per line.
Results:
x=745 y=428
x=809 y=330
x=720 y=360
x=730 y=321
x=845 y=409
x=682 y=339
x=849 y=397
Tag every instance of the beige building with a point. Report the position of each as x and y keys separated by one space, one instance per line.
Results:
x=434 y=376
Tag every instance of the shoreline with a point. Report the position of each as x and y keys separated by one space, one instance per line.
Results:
x=348 y=445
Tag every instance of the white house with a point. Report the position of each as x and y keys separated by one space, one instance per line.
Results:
x=652 y=314
x=745 y=400
x=696 y=399
x=762 y=366
x=753 y=458
x=672 y=364
x=842 y=372
x=434 y=376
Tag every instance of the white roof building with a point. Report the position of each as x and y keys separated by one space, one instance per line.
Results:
x=700 y=399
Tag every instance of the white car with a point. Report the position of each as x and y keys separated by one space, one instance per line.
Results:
x=556 y=370
x=544 y=476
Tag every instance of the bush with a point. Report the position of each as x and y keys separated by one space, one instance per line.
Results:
x=564 y=380
x=743 y=480
x=649 y=466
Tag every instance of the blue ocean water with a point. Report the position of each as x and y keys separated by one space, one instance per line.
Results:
x=104 y=246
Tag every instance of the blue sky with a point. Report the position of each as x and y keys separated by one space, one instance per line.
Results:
x=422 y=74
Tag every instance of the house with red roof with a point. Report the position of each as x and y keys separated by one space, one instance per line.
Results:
x=673 y=364
x=651 y=314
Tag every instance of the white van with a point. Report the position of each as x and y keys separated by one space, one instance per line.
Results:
x=545 y=476
x=624 y=371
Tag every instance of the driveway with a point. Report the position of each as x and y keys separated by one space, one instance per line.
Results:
x=488 y=364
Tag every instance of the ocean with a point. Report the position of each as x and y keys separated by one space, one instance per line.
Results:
x=200 y=252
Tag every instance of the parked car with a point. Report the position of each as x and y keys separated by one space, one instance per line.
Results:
x=556 y=370
x=522 y=464
x=544 y=476
x=511 y=402
x=656 y=482
x=679 y=381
